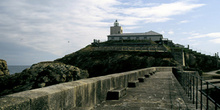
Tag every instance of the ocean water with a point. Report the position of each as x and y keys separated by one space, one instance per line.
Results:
x=17 y=68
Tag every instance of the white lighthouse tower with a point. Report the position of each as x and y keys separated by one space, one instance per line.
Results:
x=116 y=29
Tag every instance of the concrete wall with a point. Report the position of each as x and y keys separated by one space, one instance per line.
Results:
x=83 y=93
x=116 y=38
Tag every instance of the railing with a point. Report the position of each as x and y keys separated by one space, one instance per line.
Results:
x=132 y=48
x=193 y=85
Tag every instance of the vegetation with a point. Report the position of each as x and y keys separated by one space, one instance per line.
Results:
x=107 y=62
x=87 y=62
x=197 y=61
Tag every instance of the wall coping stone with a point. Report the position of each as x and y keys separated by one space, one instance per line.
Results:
x=80 y=93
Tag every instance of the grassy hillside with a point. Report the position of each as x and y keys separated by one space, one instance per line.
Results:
x=200 y=61
x=106 y=62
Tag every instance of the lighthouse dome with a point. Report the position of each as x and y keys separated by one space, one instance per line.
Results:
x=116 y=23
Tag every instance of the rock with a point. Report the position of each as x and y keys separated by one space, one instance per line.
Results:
x=48 y=73
x=3 y=68
x=40 y=75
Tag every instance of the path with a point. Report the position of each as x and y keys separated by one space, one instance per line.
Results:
x=212 y=72
x=159 y=92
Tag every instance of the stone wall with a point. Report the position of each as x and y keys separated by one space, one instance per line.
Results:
x=134 y=37
x=149 y=48
x=83 y=93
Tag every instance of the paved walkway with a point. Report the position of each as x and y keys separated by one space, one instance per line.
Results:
x=159 y=92
x=212 y=72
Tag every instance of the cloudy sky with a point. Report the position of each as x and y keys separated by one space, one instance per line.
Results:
x=32 y=31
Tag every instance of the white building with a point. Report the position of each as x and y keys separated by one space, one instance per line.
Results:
x=116 y=33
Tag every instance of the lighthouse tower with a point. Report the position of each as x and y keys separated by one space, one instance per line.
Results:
x=116 y=29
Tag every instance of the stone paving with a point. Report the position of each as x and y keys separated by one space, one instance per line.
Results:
x=213 y=72
x=159 y=92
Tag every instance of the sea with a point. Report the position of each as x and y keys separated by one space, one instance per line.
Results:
x=17 y=68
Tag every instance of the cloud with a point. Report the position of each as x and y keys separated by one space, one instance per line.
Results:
x=214 y=35
x=209 y=35
x=170 y=32
x=217 y=41
x=162 y=32
x=162 y=12
x=184 y=21
x=59 y=27
x=131 y=27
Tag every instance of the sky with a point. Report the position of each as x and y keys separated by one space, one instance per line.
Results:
x=33 y=31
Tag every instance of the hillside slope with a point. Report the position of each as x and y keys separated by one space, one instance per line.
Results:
x=107 y=62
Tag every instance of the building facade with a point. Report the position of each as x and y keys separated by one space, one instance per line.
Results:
x=116 y=33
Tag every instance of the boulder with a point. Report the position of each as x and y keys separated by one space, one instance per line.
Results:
x=40 y=75
x=3 y=68
x=49 y=73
